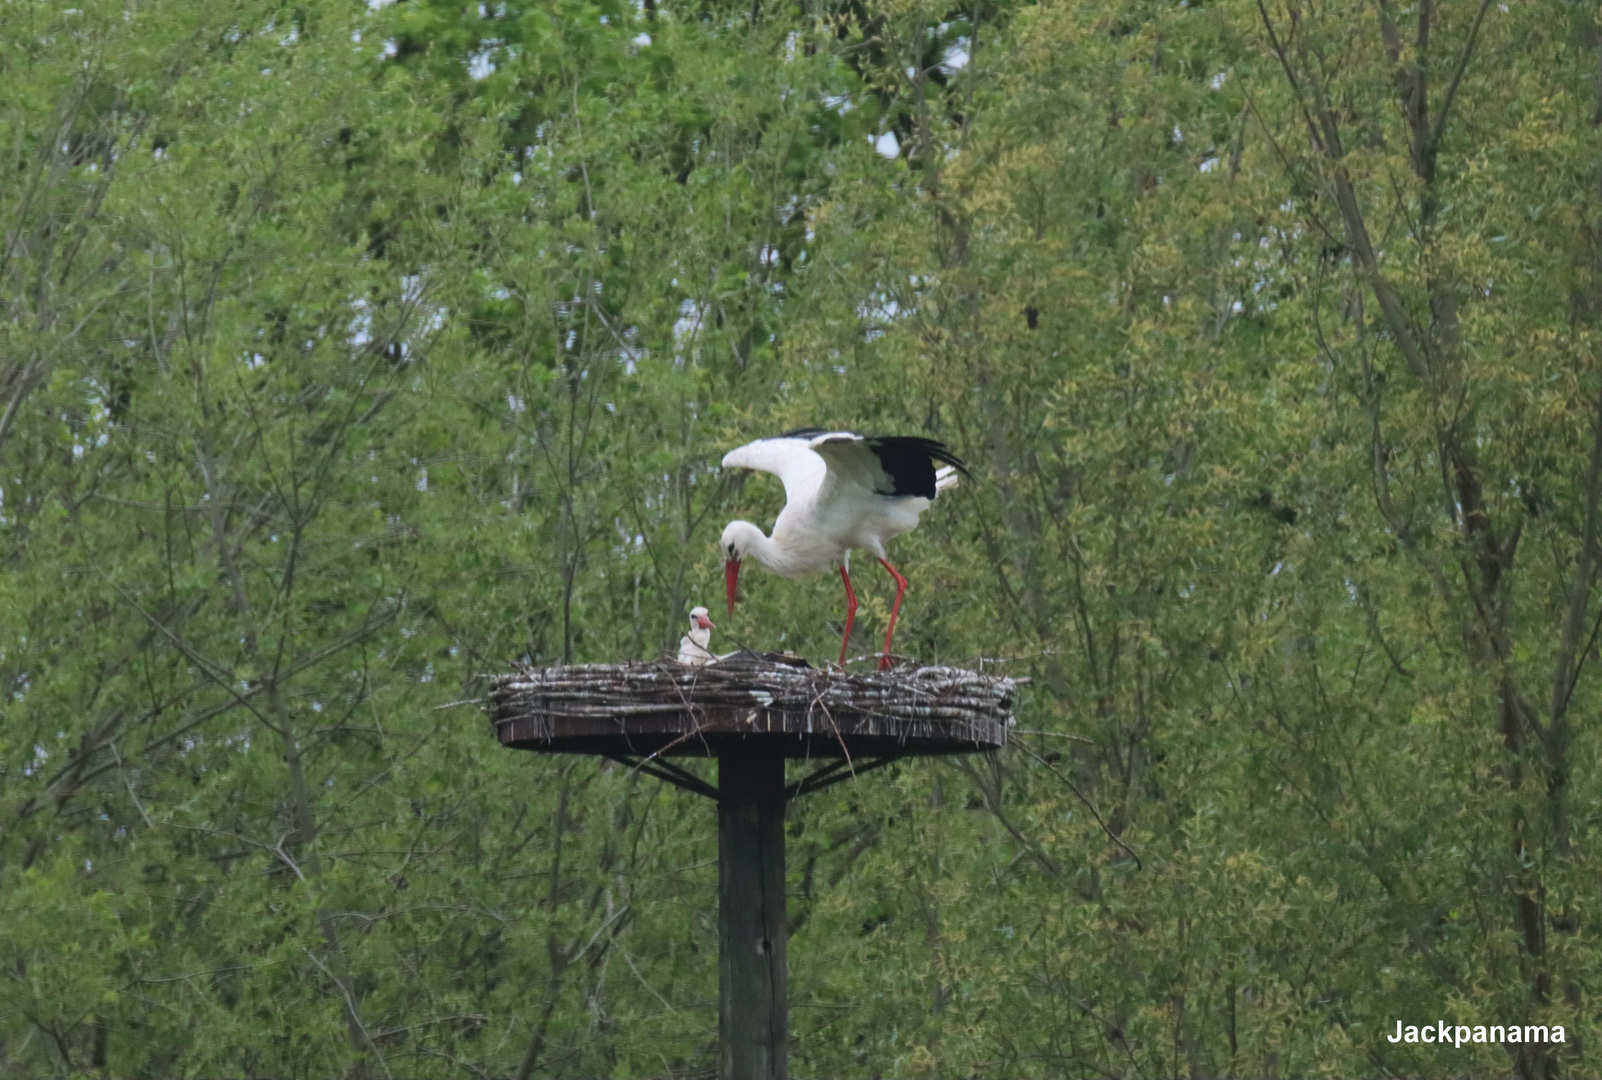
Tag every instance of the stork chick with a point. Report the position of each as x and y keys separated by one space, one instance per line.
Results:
x=693 y=646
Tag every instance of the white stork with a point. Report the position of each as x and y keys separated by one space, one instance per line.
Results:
x=693 y=646
x=842 y=491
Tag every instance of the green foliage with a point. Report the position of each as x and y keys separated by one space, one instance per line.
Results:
x=352 y=351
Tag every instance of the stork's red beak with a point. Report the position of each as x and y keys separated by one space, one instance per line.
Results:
x=704 y=623
x=731 y=578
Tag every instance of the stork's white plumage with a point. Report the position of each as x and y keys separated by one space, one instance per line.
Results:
x=693 y=646
x=842 y=492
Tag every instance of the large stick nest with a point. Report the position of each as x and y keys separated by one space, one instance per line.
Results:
x=667 y=707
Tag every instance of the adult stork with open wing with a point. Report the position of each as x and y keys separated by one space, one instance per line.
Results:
x=842 y=492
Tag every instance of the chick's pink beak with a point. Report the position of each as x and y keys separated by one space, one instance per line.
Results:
x=704 y=622
x=731 y=577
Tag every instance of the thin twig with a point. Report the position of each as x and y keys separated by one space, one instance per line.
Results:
x=354 y=1015
x=1114 y=837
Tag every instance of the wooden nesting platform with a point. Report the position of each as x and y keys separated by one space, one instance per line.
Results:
x=774 y=700
x=751 y=711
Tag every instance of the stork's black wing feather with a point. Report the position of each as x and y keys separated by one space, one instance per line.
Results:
x=909 y=461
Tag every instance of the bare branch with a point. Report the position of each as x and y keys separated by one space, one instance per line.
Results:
x=1457 y=75
x=1114 y=837
x=1565 y=672
x=350 y=1004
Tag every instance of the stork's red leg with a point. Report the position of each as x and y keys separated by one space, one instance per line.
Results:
x=851 y=612
x=895 y=609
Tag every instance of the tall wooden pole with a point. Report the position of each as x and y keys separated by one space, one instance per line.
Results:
x=753 y=927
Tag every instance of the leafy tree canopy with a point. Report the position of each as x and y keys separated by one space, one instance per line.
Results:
x=352 y=351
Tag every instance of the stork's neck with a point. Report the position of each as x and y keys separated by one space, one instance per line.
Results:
x=761 y=547
x=792 y=554
x=701 y=635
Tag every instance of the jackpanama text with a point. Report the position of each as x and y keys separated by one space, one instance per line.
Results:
x=1459 y=1034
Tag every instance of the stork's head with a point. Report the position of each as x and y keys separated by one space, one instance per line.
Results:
x=699 y=620
x=739 y=539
